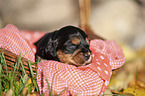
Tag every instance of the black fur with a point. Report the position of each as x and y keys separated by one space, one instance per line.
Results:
x=50 y=43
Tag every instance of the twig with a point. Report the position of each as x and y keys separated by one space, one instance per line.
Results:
x=84 y=19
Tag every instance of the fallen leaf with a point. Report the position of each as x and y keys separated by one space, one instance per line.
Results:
x=135 y=90
x=24 y=92
x=120 y=80
x=130 y=54
x=33 y=94
x=9 y=93
x=107 y=92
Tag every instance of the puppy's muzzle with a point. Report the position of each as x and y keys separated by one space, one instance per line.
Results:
x=82 y=57
x=78 y=58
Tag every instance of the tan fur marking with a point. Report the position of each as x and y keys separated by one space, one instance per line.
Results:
x=76 y=59
x=64 y=58
x=79 y=58
x=76 y=40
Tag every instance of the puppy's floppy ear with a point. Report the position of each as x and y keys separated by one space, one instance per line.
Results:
x=46 y=46
x=51 y=48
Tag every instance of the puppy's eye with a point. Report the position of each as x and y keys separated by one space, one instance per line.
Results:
x=76 y=40
x=69 y=49
x=72 y=47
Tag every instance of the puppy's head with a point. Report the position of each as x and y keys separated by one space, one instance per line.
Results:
x=67 y=45
x=73 y=46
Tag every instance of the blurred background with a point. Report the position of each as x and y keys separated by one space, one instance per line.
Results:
x=120 y=20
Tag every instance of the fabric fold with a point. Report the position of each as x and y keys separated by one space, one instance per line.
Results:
x=92 y=79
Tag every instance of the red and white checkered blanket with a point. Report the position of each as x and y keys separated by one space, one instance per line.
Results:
x=92 y=79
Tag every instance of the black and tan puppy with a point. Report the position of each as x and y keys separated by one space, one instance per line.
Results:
x=67 y=45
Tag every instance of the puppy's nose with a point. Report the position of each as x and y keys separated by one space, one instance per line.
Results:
x=86 y=55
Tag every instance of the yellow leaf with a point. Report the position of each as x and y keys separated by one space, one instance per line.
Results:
x=117 y=81
x=29 y=81
x=130 y=54
x=135 y=90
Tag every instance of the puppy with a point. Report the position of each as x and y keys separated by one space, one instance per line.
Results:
x=68 y=45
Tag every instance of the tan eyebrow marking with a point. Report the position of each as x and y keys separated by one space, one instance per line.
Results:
x=76 y=40
x=87 y=41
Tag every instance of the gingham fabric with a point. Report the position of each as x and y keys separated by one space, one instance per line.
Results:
x=92 y=79
x=32 y=36
x=12 y=40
